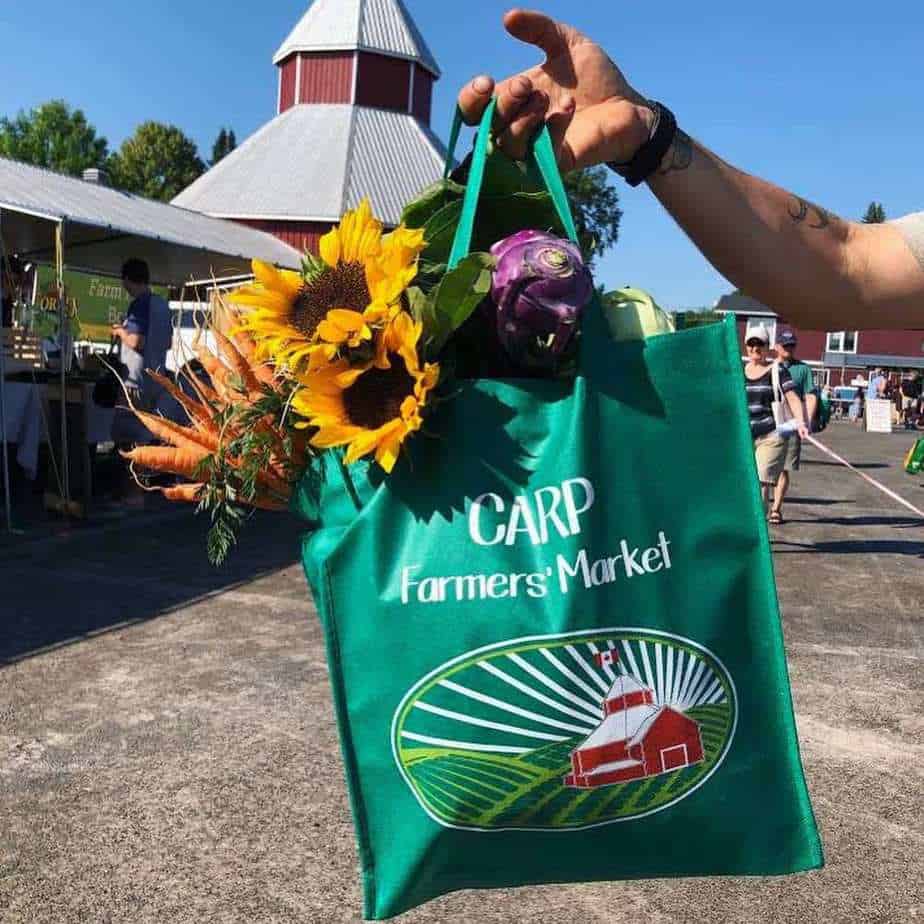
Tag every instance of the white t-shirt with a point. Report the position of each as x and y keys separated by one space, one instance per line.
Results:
x=911 y=228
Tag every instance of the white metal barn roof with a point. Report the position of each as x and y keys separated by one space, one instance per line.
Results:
x=103 y=227
x=381 y=26
x=315 y=161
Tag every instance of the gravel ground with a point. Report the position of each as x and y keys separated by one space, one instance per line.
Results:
x=168 y=750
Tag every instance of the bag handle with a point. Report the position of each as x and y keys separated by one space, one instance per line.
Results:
x=541 y=154
x=775 y=379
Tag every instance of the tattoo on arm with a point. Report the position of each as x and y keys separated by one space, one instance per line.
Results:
x=801 y=209
x=681 y=155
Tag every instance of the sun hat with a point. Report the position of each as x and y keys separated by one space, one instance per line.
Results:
x=758 y=332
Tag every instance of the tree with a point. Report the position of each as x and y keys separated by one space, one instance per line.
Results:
x=55 y=136
x=224 y=144
x=158 y=161
x=595 y=204
x=875 y=214
x=696 y=317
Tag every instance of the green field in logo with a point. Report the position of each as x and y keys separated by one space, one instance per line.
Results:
x=564 y=732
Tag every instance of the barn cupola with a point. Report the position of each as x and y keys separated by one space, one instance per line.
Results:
x=352 y=121
x=358 y=52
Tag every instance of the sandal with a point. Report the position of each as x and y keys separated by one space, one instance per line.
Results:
x=775 y=518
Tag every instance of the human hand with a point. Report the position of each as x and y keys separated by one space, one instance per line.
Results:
x=593 y=114
x=803 y=431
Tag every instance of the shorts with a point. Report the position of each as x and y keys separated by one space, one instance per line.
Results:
x=793 y=453
x=770 y=455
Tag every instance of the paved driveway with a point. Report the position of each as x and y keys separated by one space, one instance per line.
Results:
x=168 y=750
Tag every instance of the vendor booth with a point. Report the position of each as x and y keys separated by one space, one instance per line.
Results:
x=50 y=221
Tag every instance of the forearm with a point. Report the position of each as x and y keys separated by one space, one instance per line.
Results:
x=133 y=341
x=816 y=269
x=811 y=405
x=795 y=405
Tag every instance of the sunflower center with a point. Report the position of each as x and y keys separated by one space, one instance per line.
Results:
x=376 y=396
x=340 y=286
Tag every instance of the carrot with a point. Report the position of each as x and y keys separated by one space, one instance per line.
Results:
x=183 y=492
x=177 y=436
x=217 y=370
x=268 y=480
x=239 y=365
x=167 y=459
x=207 y=394
x=199 y=414
x=247 y=347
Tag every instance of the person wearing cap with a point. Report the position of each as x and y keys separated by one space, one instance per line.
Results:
x=801 y=375
x=820 y=271
x=769 y=446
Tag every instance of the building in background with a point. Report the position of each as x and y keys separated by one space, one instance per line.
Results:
x=353 y=99
x=836 y=357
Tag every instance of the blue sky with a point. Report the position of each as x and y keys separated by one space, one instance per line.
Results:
x=822 y=97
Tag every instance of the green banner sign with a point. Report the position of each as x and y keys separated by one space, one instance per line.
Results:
x=95 y=301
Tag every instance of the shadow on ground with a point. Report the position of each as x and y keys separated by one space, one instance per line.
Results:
x=838 y=464
x=818 y=501
x=58 y=593
x=851 y=547
x=857 y=522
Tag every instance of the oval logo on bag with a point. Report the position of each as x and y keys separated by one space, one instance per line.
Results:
x=566 y=731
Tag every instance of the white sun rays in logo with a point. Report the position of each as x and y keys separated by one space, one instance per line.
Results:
x=520 y=701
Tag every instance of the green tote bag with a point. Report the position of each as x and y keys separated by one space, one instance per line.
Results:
x=552 y=632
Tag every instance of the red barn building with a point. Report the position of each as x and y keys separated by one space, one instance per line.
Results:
x=355 y=81
x=637 y=738
x=836 y=357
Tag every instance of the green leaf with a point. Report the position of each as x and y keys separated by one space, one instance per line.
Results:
x=312 y=266
x=439 y=232
x=497 y=217
x=419 y=211
x=429 y=275
x=417 y=302
x=457 y=296
x=505 y=177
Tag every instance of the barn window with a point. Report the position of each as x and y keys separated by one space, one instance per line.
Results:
x=842 y=341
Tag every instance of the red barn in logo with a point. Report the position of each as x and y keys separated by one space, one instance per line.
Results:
x=637 y=737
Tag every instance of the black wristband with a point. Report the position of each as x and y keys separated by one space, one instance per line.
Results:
x=648 y=157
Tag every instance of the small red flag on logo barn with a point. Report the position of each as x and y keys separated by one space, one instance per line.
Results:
x=608 y=657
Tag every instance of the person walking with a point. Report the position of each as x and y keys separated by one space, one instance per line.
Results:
x=807 y=393
x=876 y=386
x=856 y=407
x=769 y=445
x=911 y=394
x=821 y=271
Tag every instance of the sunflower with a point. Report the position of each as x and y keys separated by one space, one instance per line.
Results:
x=375 y=407
x=357 y=282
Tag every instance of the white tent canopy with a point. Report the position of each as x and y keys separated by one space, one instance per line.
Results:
x=103 y=227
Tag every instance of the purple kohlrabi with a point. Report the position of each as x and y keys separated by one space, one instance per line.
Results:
x=540 y=287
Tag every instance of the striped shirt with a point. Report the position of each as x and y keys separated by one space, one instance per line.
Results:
x=760 y=400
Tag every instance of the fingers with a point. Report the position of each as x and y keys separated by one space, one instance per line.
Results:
x=513 y=98
x=538 y=29
x=515 y=140
x=558 y=123
x=474 y=98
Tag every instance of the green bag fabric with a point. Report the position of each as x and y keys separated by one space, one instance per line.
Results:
x=553 y=636
x=914 y=461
